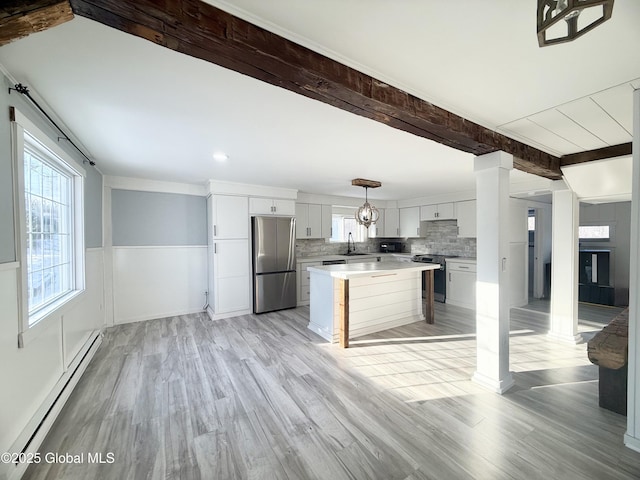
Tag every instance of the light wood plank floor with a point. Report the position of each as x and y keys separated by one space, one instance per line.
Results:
x=262 y=397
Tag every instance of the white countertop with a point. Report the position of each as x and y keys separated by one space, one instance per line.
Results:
x=369 y=269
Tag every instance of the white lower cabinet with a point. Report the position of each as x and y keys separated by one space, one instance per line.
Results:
x=231 y=276
x=304 y=290
x=461 y=283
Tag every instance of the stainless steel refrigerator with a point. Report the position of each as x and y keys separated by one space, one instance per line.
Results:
x=274 y=263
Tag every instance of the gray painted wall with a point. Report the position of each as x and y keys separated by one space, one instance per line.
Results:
x=93 y=182
x=7 y=232
x=92 y=208
x=151 y=218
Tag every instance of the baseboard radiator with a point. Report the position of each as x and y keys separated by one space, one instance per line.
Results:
x=36 y=430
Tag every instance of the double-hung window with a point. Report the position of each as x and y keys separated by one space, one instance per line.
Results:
x=49 y=196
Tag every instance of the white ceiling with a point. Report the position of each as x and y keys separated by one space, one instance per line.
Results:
x=144 y=111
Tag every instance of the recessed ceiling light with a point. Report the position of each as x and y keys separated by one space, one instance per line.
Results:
x=220 y=156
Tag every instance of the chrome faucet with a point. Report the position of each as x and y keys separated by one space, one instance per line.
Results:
x=351 y=246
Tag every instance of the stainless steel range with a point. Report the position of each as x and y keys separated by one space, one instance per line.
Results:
x=439 y=276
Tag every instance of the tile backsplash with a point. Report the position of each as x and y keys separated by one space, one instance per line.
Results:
x=440 y=237
x=320 y=246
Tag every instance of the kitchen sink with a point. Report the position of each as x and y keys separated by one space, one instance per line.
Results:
x=356 y=253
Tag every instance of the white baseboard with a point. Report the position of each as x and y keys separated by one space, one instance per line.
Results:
x=222 y=316
x=495 y=385
x=144 y=318
x=632 y=442
x=323 y=332
x=33 y=434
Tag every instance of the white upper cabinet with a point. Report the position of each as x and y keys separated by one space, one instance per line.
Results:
x=325 y=227
x=466 y=213
x=229 y=216
x=377 y=229
x=313 y=220
x=440 y=211
x=409 y=222
x=391 y=222
x=271 y=206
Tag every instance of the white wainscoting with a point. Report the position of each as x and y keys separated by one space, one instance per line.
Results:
x=35 y=377
x=79 y=323
x=156 y=282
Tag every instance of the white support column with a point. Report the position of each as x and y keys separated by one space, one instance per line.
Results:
x=632 y=437
x=492 y=287
x=564 y=265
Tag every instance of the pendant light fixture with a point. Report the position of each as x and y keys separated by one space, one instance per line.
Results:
x=367 y=214
x=551 y=13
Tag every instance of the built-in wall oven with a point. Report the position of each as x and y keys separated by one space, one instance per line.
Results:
x=439 y=275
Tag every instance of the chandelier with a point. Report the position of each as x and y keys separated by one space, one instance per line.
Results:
x=591 y=13
x=367 y=214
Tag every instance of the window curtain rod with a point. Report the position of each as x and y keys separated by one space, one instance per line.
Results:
x=18 y=87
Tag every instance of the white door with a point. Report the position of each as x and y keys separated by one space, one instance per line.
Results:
x=260 y=206
x=230 y=217
x=326 y=221
x=429 y=212
x=391 y=222
x=232 y=275
x=466 y=213
x=302 y=220
x=446 y=211
x=284 y=207
x=315 y=221
x=377 y=230
x=410 y=222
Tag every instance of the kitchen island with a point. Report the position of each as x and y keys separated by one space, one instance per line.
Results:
x=357 y=299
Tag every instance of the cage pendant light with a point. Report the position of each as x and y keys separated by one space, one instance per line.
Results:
x=367 y=214
x=551 y=13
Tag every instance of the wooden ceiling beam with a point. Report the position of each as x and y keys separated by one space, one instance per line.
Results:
x=19 y=18
x=598 y=154
x=200 y=30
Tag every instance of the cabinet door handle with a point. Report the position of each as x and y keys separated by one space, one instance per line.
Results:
x=449 y=276
x=215 y=230
x=463 y=268
x=215 y=248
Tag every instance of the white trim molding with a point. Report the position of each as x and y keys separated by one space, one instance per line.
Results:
x=146 y=185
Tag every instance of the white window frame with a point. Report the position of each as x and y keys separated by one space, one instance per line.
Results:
x=339 y=235
x=610 y=239
x=30 y=325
